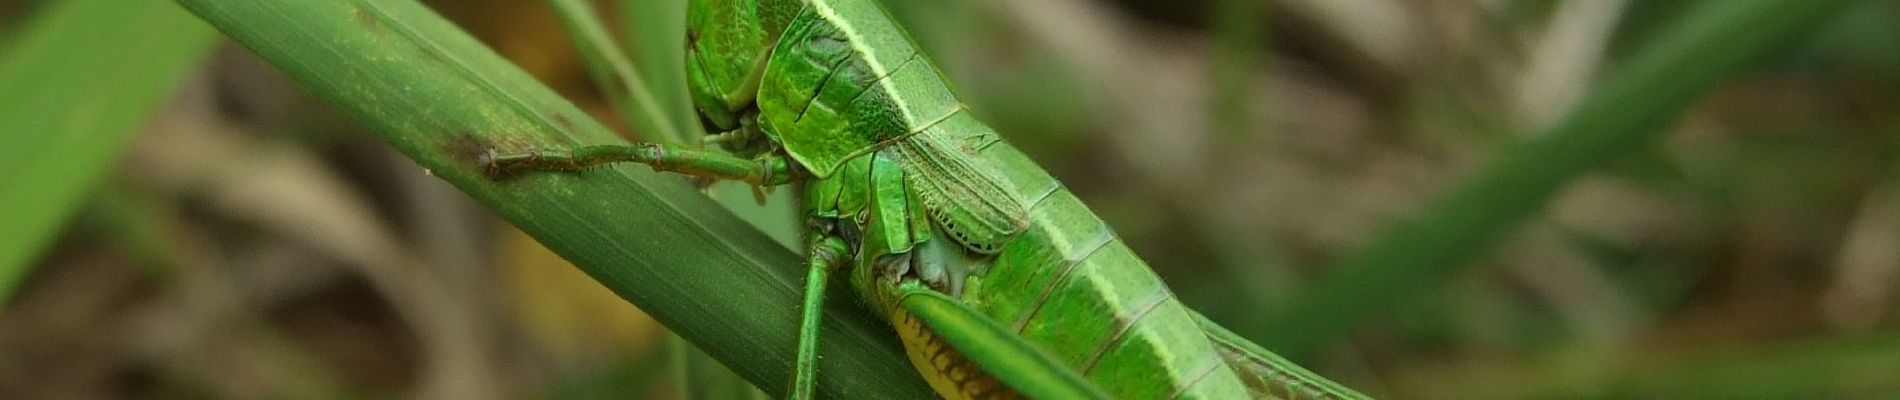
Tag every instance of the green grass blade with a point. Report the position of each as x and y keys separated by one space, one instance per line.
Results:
x=1717 y=41
x=654 y=32
x=442 y=98
x=75 y=86
x=1238 y=56
x=617 y=77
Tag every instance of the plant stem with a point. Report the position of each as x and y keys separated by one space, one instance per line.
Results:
x=442 y=98
x=622 y=83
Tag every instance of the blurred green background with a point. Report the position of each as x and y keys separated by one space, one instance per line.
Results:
x=205 y=228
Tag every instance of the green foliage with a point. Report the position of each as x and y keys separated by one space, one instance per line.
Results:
x=445 y=100
x=1710 y=44
x=652 y=31
x=84 y=77
x=623 y=84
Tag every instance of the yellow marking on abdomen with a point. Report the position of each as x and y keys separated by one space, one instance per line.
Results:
x=953 y=376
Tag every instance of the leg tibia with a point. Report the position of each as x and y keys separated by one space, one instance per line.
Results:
x=825 y=255
x=769 y=170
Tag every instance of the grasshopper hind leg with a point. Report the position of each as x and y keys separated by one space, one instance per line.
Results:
x=765 y=170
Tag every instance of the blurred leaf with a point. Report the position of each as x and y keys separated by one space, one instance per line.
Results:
x=624 y=85
x=626 y=378
x=1717 y=40
x=654 y=33
x=76 y=85
x=1845 y=46
x=443 y=99
x=136 y=225
x=1823 y=368
x=1238 y=56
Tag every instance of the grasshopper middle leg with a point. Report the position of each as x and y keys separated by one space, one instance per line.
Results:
x=827 y=254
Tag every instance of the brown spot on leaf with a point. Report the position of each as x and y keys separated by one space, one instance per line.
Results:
x=466 y=148
x=370 y=20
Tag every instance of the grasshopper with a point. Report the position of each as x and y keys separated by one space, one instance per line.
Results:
x=999 y=281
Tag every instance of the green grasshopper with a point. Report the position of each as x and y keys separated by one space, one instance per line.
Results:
x=1000 y=282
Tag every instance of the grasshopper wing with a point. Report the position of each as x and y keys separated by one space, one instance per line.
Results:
x=965 y=197
x=1268 y=375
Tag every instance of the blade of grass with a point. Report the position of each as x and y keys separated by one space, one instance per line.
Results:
x=1238 y=57
x=1718 y=40
x=76 y=85
x=442 y=98
x=653 y=32
x=623 y=84
x=660 y=27
x=1258 y=281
